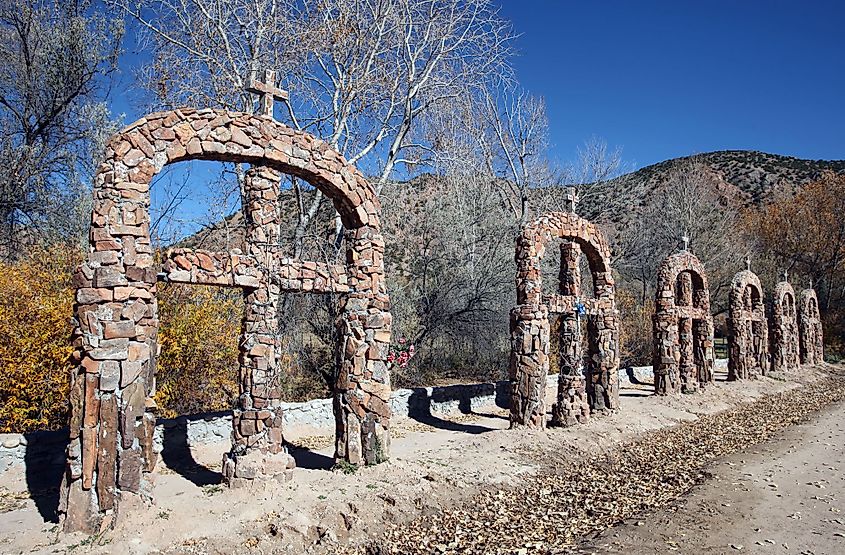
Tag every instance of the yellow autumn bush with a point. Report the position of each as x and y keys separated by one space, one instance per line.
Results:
x=197 y=370
x=36 y=306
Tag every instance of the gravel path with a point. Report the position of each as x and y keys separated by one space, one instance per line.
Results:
x=568 y=502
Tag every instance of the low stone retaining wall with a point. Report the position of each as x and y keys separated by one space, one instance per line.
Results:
x=39 y=448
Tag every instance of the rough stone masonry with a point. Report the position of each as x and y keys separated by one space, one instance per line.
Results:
x=748 y=342
x=810 y=335
x=784 y=328
x=112 y=407
x=529 y=359
x=682 y=326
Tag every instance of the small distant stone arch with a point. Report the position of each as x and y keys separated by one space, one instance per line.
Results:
x=748 y=343
x=112 y=408
x=784 y=332
x=684 y=355
x=810 y=333
x=581 y=391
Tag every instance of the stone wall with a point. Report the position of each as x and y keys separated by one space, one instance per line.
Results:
x=315 y=416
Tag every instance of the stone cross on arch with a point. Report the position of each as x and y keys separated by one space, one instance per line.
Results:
x=685 y=241
x=267 y=92
x=570 y=199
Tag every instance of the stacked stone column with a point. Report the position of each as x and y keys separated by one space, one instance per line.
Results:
x=572 y=406
x=529 y=364
x=603 y=344
x=810 y=334
x=258 y=450
x=112 y=410
x=748 y=342
x=362 y=387
x=784 y=332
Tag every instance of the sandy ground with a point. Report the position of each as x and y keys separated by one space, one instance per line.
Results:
x=435 y=463
x=785 y=496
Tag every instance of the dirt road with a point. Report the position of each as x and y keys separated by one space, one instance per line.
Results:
x=786 y=495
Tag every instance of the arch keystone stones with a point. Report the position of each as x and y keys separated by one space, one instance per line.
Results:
x=580 y=390
x=112 y=407
x=682 y=326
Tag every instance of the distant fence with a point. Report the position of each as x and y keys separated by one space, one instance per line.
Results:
x=720 y=345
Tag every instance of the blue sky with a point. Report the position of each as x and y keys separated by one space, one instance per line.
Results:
x=669 y=78
x=666 y=79
x=660 y=79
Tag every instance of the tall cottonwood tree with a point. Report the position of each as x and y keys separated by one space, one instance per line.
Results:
x=55 y=60
x=514 y=141
x=363 y=74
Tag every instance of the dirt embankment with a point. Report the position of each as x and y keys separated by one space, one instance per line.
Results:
x=464 y=484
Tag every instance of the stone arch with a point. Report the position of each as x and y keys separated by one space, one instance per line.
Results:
x=684 y=356
x=529 y=362
x=112 y=408
x=747 y=328
x=784 y=328
x=810 y=333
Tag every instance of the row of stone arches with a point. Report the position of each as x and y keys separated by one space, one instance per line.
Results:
x=683 y=329
x=115 y=339
x=760 y=343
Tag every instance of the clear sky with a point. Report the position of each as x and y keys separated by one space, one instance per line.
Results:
x=669 y=78
x=660 y=79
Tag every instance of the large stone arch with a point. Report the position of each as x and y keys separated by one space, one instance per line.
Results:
x=682 y=326
x=810 y=333
x=748 y=343
x=784 y=328
x=529 y=362
x=112 y=407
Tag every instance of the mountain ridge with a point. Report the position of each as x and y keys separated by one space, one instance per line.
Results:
x=750 y=177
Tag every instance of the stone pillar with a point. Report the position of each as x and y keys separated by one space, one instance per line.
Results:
x=572 y=406
x=112 y=414
x=760 y=346
x=704 y=351
x=603 y=344
x=684 y=293
x=666 y=356
x=688 y=382
x=686 y=363
x=258 y=450
x=529 y=365
x=362 y=387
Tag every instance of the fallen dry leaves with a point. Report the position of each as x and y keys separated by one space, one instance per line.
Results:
x=567 y=501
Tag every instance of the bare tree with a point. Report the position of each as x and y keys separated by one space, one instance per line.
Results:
x=363 y=74
x=598 y=173
x=54 y=61
x=516 y=139
x=690 y=202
